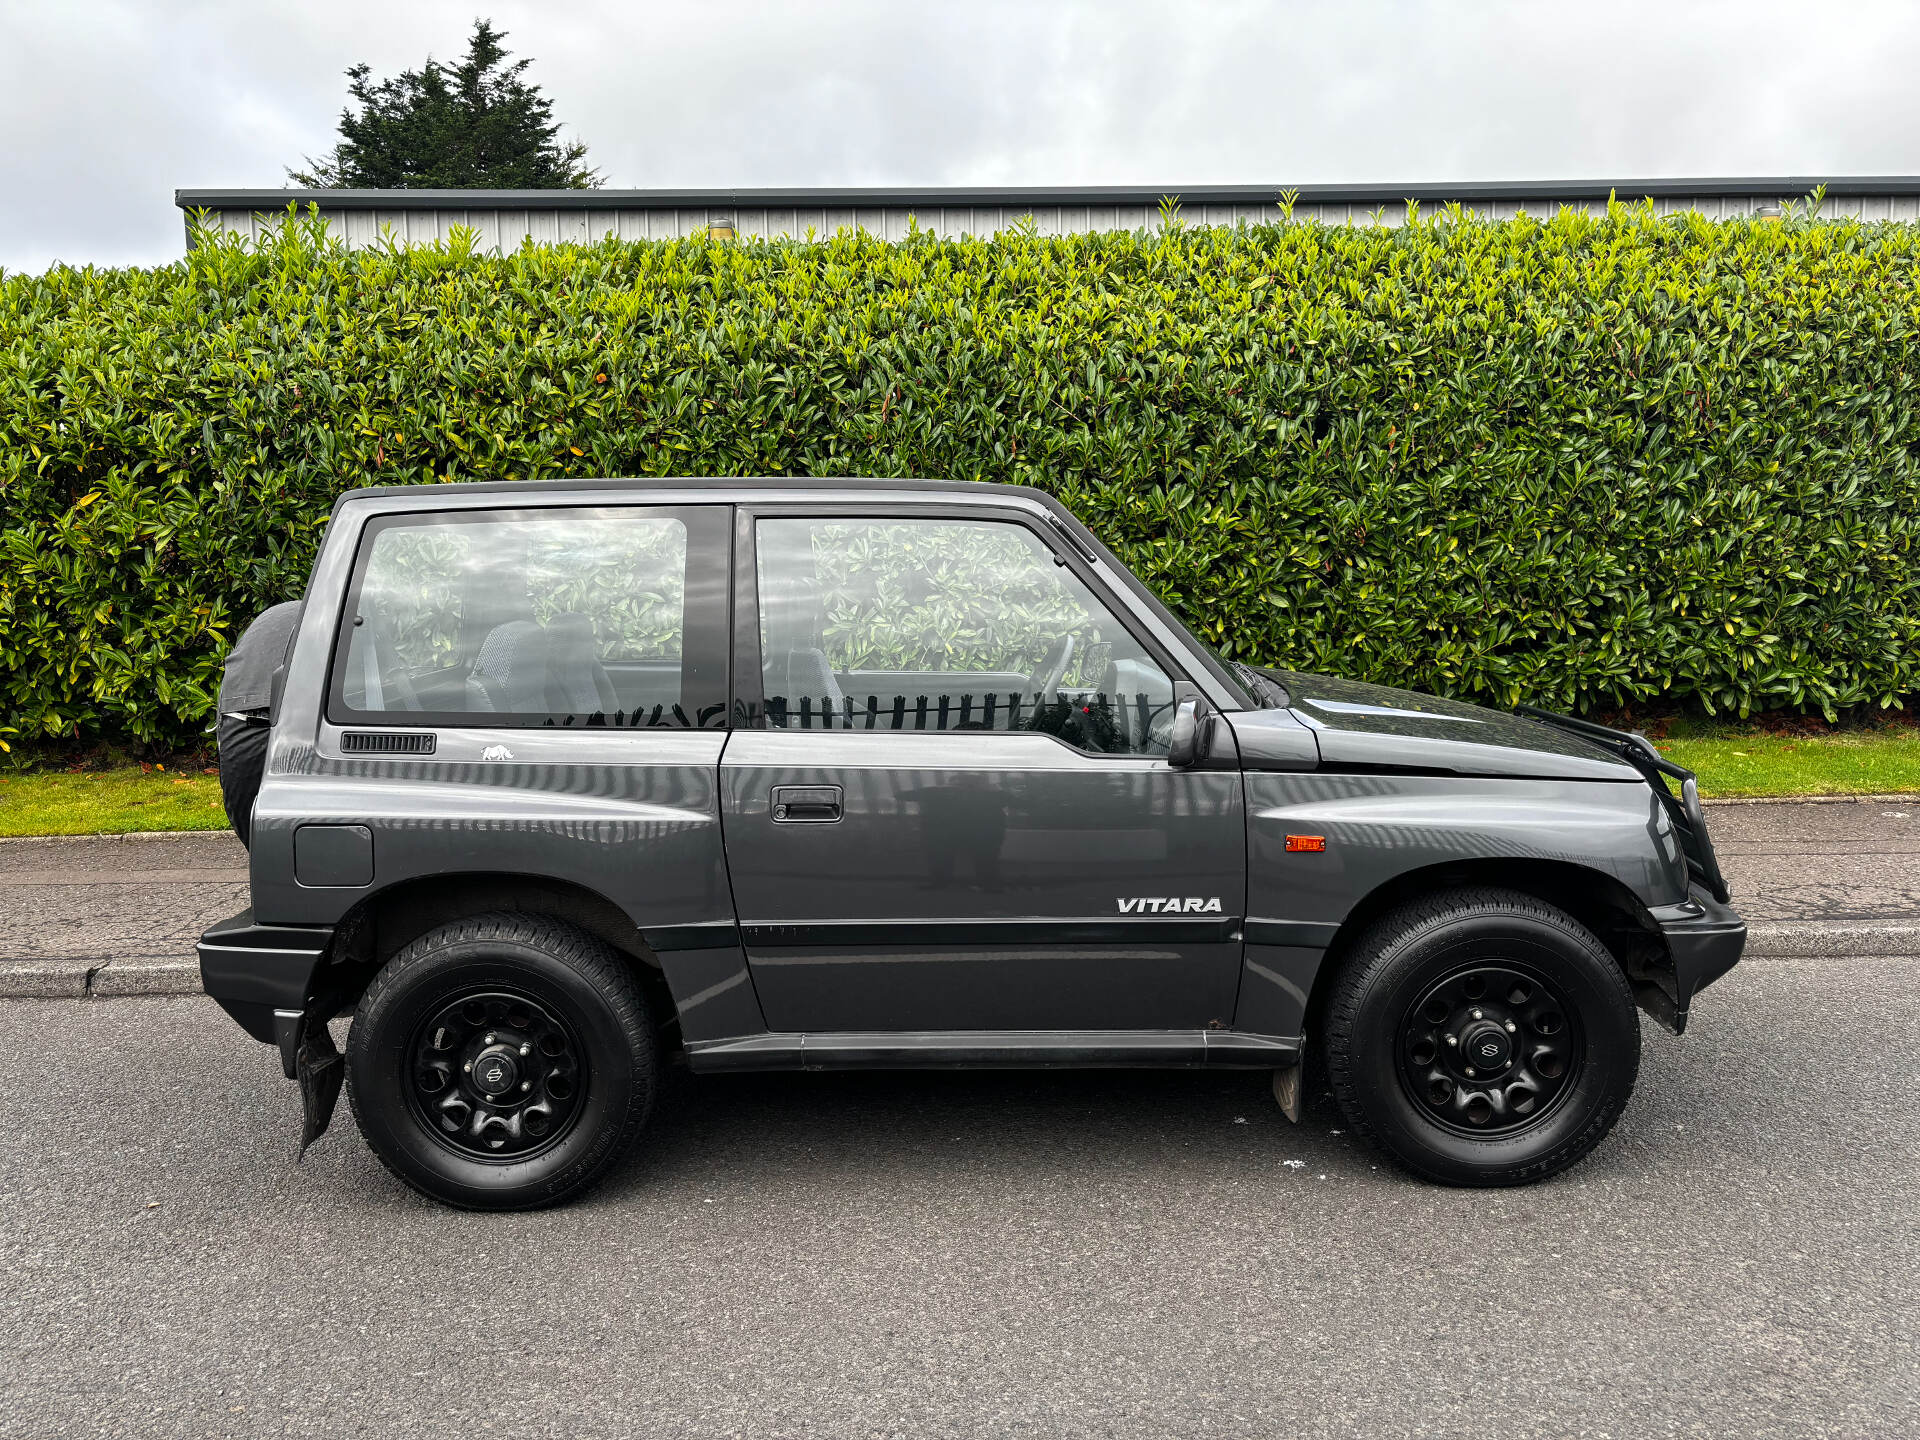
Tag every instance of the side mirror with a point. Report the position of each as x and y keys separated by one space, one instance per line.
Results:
x=1184 y=747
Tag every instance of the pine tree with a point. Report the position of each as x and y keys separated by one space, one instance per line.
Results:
x=473 y=125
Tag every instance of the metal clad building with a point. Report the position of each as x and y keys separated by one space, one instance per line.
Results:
x=506 y=219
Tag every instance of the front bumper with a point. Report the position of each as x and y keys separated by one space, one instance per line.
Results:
x=264 y=976
x=1704 y=938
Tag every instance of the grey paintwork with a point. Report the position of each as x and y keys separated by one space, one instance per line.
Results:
x=1274 y=740
x=1359 y=725
x=973 y=882
x=947 y=837
x=1379 y=828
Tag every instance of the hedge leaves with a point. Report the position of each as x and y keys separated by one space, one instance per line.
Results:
x=1582 y=462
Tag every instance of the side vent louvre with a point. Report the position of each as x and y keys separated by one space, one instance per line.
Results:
x=386 y=742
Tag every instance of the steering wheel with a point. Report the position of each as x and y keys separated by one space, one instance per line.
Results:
x=1053 y=665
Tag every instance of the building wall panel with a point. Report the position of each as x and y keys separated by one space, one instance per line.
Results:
x=503 y=229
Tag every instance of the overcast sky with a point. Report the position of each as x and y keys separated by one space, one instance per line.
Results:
x=107 y=105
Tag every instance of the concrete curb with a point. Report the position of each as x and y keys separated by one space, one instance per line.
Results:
x=111 y=835
x=146 y=977
x=1831 y=939
x=97 y=978
x=85 y=977
x=1909 y=797
x=44 y=979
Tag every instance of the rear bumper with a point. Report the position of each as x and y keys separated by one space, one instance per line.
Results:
x=263 y=975
x=1704 y=939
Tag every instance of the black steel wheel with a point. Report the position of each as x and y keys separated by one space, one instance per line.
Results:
x=497 y=1075
x=1481 y=1037
x=1490 y=1048
x=502 y=1063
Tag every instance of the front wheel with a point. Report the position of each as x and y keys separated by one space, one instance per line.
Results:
x=501 y=1063
x=1482 y=1037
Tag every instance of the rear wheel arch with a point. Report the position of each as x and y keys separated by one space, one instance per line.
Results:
x=383 y=924
x=542 y=1002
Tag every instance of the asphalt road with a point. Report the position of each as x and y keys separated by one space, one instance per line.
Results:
x=1064 y=1254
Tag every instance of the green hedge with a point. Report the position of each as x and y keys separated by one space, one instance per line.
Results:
x=1585 y=462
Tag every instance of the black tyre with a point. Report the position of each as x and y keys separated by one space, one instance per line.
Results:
x=1482 y=1037
x=502 y=1063
x=243 y=760
x=246 y=708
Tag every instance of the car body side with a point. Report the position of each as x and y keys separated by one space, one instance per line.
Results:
x=623 y=831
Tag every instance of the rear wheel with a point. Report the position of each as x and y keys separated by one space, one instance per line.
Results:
x=1482 y=1037
x=501 y=1063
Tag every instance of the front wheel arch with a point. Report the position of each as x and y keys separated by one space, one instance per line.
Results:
x=1595 y=898
x=1410 y=983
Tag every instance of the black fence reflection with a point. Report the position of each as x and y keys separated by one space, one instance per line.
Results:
x=660 y=717
x=1093 y=721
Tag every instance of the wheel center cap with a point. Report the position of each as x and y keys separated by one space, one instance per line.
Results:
x=1487 y=1048
x=495 y=1072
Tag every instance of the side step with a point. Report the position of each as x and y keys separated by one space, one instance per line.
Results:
x=1009 y=1049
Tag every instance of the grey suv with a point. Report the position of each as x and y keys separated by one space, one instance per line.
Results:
x=549 y=784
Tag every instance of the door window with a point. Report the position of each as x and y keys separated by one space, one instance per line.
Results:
x=565 y=617
x=891 y=625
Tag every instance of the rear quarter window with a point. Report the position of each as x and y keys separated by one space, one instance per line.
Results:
x=570 y=617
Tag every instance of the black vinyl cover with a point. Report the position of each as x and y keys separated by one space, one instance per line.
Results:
x=247 y=684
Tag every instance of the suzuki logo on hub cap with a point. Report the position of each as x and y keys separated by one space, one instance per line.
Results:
x=1172 y=905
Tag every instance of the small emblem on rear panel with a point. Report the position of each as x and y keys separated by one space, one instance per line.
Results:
x=1169 y=905
x=496 y=752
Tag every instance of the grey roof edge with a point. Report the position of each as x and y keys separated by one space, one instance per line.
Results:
x=1027 y=196
x=981 y=490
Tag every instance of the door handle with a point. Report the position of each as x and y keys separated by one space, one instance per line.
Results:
x=806 y=804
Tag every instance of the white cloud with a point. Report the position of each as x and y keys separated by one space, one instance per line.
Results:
x=107 y=106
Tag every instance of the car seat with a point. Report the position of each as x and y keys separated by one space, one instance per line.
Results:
x=509 y=675
x=577 y=683
x=810 y=676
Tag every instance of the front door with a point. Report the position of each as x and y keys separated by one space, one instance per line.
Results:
x=956 y=812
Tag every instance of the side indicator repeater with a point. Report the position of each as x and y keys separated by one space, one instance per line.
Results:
x=1311 y=843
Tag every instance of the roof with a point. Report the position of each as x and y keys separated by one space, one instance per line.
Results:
x=984 y=491
x=841 y=197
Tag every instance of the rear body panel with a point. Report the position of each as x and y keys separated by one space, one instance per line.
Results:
x=632 y=816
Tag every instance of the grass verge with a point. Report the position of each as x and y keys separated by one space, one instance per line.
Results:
x=1733 y=762
x=108 y=802
x=1755 y=766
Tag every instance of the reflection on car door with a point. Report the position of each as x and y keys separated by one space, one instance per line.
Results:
x=917 y=844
